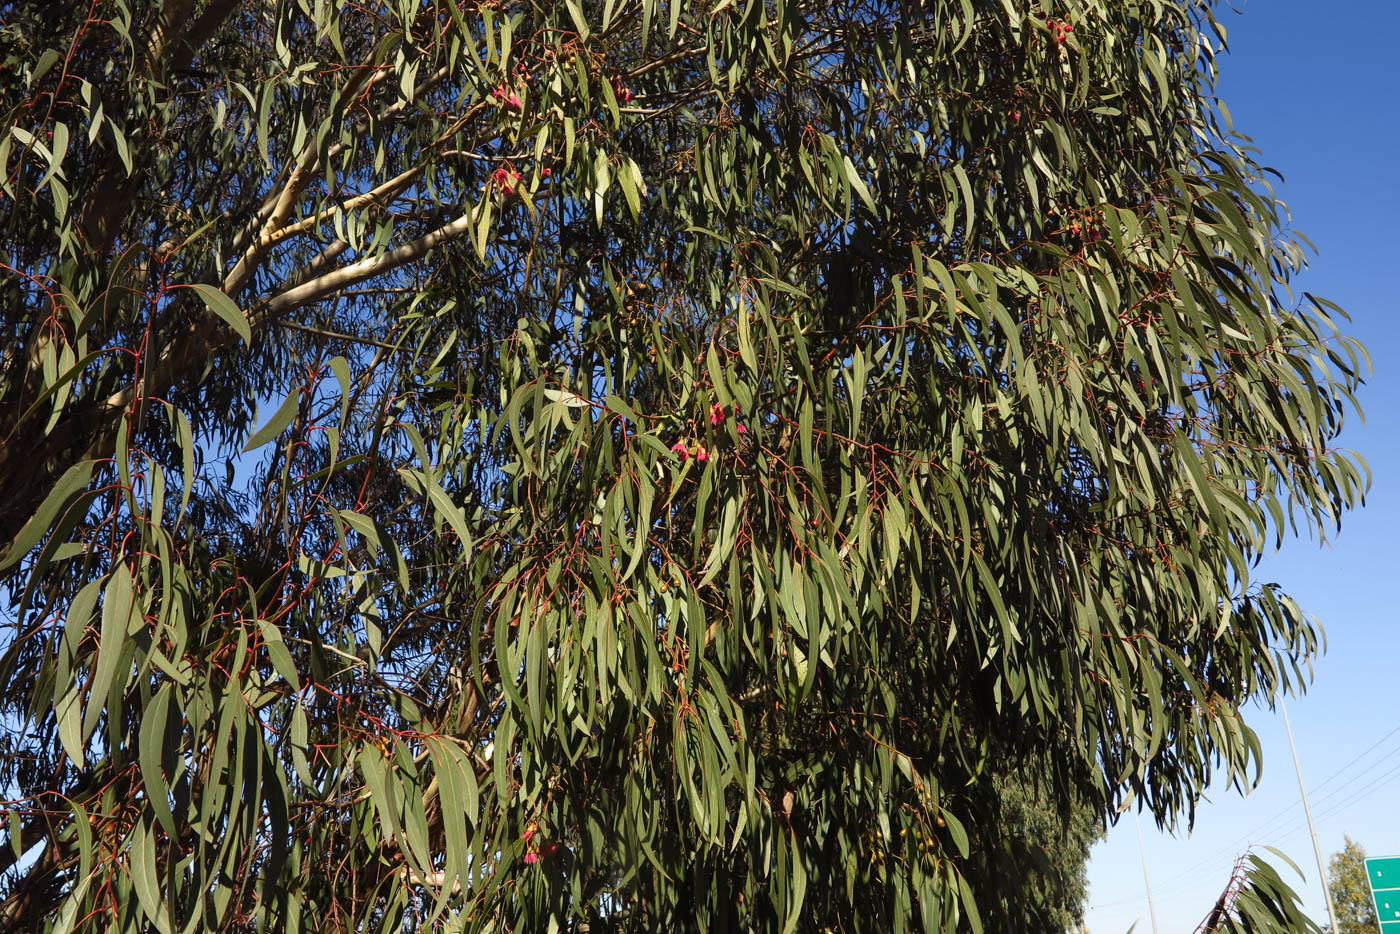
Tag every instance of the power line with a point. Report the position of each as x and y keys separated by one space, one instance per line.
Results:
x=1270 y=828
x=1361 y=793
x=1160 y=890
x=1358 y=757
x=1270 y=822
x=1337 y=790
x=1326 y=802
x=1291 y=830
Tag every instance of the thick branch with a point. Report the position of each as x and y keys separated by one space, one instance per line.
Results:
x=183 y=49
x=90 y=432
x=276 y=211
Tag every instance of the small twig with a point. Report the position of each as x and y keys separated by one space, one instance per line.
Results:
x=345 y=337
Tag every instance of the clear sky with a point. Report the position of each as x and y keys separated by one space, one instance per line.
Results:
x=1315 y=85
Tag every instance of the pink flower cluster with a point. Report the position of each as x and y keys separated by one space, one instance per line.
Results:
x=689 y=447
x=1061 y=30
x=717 y=417
x=507 y=99
x=1090 y=232
x=506 y=179
x=535 y=853
x=686 y=451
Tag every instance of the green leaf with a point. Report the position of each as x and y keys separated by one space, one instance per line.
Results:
x=277 y=423
x=279 y=655
x=184 y=438
x=152 y=745
x=145 y=878
x=68 y=711
x=373 y=768
x=47 y=59
x=341 y=368
x=456 y=814
x=853 y=176
x=443 y=506
x=118 y=606
x=579 y=20
x=223 y=306
x=616 y=404
x=69 y=486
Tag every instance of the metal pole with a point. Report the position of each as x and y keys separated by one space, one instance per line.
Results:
x=1147 y=883
x=1317 y=850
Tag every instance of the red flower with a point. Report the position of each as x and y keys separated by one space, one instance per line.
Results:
x=701 y=454
x=1015 y=116
x=506 y=179
x=531 y=859
x=527 y=835
x=741 y=429
x=716 y=414
x=680 y=448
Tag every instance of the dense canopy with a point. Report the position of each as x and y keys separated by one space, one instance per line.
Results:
x=649 y=465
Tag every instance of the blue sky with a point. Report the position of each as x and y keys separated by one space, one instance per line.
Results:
x=1315 y=85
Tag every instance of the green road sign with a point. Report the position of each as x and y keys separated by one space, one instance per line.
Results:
x=1383 y=874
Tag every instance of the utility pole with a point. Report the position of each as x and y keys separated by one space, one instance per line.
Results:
x=1317 y=850
x=1142 y=854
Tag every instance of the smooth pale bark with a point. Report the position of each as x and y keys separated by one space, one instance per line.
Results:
x=32 y=461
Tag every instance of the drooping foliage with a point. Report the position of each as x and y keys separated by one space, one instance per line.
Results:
x=1257 y=899
x=507 y=466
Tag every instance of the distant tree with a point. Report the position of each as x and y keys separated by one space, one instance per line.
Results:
x=1351 y=893
x=1031 y=871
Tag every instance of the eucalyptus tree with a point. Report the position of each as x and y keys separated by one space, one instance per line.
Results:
x=520 y=465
